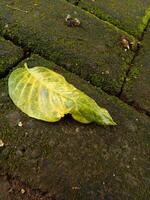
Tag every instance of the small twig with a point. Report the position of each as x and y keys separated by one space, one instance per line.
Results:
x=18 y=9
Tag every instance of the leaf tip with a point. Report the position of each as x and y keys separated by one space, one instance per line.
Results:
x=113 y=123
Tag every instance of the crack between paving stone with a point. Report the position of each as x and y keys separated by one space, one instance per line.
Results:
x=128 y=71
x=133 y=104
x=132 y=62
x=14 y=40
x=13 y=66
x=76 y=3
x=136 y=106
x=26 y=54
x=102 y=19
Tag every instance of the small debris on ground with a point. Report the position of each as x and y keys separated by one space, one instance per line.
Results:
x=23 y=191
x=75 y=188
x=20 y=124
x=77 y=129
x=72 y=22
x=125 y=43
x=6 y=26
x=1 y=143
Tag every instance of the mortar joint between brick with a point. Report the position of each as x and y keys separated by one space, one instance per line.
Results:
x=26 y=54
x=102 y=19
x=132 y=61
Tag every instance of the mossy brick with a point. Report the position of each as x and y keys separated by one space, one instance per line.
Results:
x=93 y=50
x=9 y=55
x=137 y=87
x=129 y=15
x=71 y=160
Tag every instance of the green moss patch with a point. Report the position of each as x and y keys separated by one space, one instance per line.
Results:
x=131 y=16
x=84 y=45
x=137 y=87
x=9 y=55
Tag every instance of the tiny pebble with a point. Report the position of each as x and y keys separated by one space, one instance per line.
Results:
x=1 y=143
x=106 y=72
x=26 y=134
x=75 y=188
x=19 y=153
x=20 y=124
x=68 y=17
x=6 y=25
x=77 y=21
x=77 y=130
x=23 y=191
x=10 y=190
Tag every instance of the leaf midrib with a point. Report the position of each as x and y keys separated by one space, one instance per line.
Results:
x=43 y=83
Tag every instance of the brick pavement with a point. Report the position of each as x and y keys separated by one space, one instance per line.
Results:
x=106 y=53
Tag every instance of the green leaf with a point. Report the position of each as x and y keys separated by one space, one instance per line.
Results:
x=46 y=95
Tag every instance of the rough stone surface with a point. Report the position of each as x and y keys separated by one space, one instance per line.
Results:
x=75 y=161
x=13 y=189
x=92 y=49
x=9 y=55
x=137 y=87
x=130 y=15
x=4 y=187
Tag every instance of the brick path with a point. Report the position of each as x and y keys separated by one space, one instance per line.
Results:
x=107 y=56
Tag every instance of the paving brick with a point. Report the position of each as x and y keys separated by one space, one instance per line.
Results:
x=76 y=161
x=9 y=55
x=137 y=87
x=131 y=16
x=92 y=50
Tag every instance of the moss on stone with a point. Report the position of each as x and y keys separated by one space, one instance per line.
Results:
x=145 y=20
x=137 y=88
x=131 y=16
x=88 y=50
x=9 y=55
